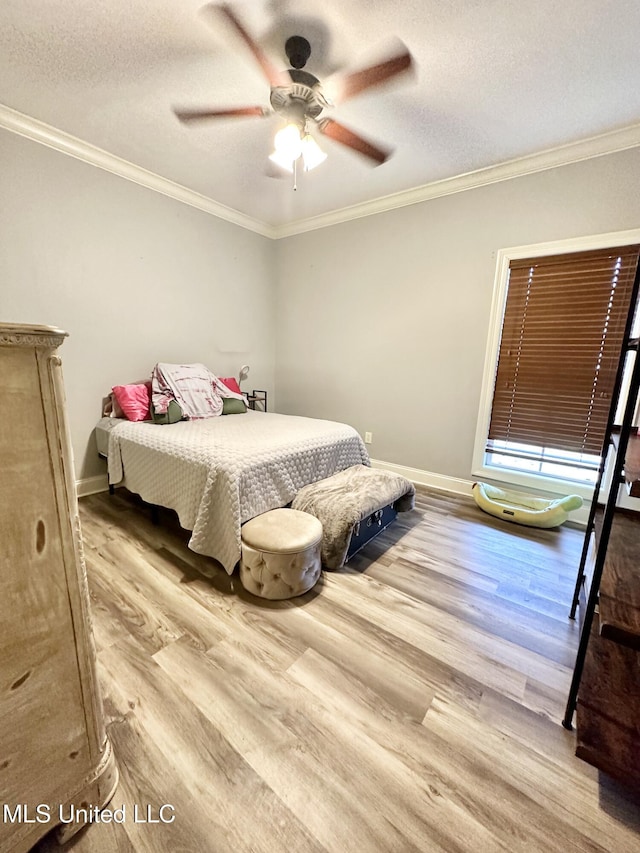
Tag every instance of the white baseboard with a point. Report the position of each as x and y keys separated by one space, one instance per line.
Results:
x=427 y=478
x=92 y=485
x=458 y=486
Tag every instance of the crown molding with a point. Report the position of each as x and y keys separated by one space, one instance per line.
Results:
x=585 y=149
x=52 y=137
x=563 y=155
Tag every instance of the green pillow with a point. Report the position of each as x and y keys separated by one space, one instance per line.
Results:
x=231 y=406
x=171 y=416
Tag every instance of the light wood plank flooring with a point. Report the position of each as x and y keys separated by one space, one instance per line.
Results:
x=411 y=702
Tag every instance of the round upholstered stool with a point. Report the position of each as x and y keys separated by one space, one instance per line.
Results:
x=280 y=553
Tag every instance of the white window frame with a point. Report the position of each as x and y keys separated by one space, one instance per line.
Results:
x=480 y=469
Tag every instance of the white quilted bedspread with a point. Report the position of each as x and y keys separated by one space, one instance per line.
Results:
x=218 y=473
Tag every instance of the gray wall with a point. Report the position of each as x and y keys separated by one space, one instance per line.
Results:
x=382 y=322
x=133 y=276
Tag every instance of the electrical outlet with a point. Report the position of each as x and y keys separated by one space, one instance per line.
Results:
x=368 y=437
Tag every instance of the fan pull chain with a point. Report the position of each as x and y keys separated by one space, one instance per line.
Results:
x=295 y=175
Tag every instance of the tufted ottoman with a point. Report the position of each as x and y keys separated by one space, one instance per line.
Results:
x=280 y=553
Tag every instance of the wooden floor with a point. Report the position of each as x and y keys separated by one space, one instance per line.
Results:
x=410 y=703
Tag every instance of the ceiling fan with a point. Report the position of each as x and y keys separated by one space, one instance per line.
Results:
x=298 y=97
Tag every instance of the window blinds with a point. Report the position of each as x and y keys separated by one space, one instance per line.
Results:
x=562 y=337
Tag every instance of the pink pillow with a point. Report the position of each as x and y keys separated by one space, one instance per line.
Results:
x=231 y=384
x=134 y=400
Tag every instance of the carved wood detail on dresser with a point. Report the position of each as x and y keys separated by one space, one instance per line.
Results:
x=54 y=752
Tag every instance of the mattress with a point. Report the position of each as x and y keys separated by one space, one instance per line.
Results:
x=218 y=473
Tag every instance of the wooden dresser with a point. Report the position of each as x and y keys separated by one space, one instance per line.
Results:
x=608 y=710
x=54 y=753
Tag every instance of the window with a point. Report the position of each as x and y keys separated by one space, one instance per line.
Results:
x=552 y=363
x=544 y=461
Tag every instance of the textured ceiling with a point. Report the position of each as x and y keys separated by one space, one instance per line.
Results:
x=494 y=81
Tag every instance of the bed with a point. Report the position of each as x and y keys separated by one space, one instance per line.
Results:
x=217 y=473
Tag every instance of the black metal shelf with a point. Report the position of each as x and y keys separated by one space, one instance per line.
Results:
x=590 y=598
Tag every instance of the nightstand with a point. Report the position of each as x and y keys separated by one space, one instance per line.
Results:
x=257 y=400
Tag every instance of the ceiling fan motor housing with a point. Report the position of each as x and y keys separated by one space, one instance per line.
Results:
x=299 y=100
x=296 y=101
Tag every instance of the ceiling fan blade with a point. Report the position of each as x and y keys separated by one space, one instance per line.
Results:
x=343 y=87
x=339 y=133
x=270 y=71
x=201 y=115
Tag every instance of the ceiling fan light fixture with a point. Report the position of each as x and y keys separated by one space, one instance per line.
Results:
x=312 y=154
x=282 y=160
x=288 y=147
x=288 y=142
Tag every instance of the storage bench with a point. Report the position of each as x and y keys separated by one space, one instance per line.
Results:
x=353 y=506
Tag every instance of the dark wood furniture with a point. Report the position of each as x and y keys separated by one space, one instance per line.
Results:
x=632 y=465
x=605 y=688
x=608 y=706
x=619 y=601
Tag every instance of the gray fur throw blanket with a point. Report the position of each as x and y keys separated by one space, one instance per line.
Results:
x=343 y=500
